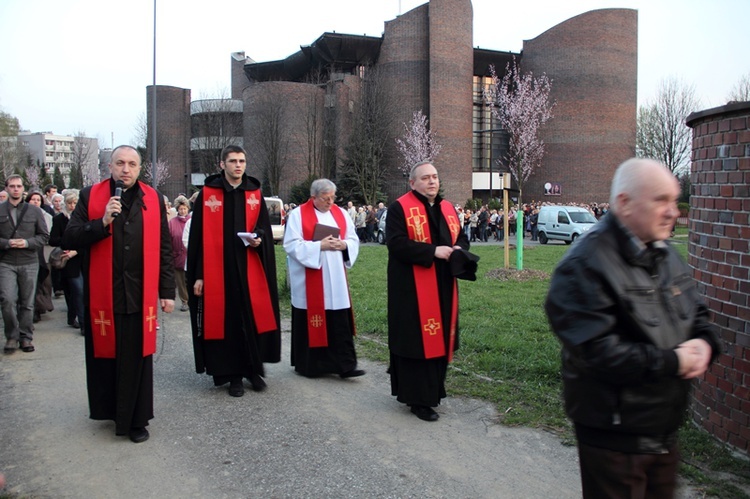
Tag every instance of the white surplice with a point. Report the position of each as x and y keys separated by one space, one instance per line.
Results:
x=301 y=254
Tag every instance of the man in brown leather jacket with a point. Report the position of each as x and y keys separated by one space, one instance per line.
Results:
x=634 y=333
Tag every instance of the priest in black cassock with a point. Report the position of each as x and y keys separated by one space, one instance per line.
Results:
x=422 y=231
x=231 y=273
x=127 y=268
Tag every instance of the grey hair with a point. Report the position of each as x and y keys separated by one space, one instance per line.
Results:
x=57 y=195
x=630 y=178
x=70 y=195
x=320 y=186
x=413 y=171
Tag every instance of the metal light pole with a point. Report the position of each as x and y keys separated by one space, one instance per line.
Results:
x=153 y=111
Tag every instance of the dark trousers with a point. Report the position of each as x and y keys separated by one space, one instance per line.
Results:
x=611 y=474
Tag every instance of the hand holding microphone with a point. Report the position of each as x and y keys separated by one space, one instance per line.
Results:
x=118 y=193
x=113 y=206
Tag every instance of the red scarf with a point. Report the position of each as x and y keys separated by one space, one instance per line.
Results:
x=317 y=330
x=425 y=278
x=101 y=291
x=214 y=306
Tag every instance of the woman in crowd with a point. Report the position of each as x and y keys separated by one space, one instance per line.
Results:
x=360 y=224
x=473 y=224
x=179 y=252
x=72 y=278
x=466 y=224
x=43 y=297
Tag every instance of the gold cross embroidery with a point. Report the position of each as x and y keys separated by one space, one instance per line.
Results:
x=150 y=318
x=213 y=203
x=453 y=226
x=316 y=320
x=101 y=321
x=432 y=327
x=416 y=221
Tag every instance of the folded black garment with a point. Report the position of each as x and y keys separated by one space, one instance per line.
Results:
x=464 y=264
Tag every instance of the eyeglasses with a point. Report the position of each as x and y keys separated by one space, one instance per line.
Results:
x=327 y=199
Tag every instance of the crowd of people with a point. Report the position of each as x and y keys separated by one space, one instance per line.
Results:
x=626 y=378
x=487 y=224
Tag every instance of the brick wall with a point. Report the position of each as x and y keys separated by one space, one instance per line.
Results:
x=451 y=102
x=405 y=61
x=592 y=62
x=719 y=253
x=172 y=135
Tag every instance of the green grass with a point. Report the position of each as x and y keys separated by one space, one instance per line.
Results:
x=508 y=354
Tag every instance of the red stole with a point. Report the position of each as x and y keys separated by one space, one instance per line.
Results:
x=214 y=306
x=317 y=332
x=101 y=291
x=425 y=278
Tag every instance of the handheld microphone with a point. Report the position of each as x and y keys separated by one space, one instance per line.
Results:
x=118 y=192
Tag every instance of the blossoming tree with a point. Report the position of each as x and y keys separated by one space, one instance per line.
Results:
x=418 y=144
x=520 y=103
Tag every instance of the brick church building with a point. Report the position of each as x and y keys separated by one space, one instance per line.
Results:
x=296 y=114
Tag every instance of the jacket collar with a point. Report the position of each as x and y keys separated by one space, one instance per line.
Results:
x=632 y=248
x=217 y=180
x=424 y=200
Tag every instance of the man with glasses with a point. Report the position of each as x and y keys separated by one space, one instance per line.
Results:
x=322 y=243
x=22 y=232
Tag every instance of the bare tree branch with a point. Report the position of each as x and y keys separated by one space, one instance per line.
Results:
x=11 y=153
x=364 y=172
x=741 y=90
x=217 y=123
x=271 y=141
x=661 y=130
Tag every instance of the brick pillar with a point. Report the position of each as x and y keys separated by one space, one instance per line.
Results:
x=451 y=105
x=719 y=253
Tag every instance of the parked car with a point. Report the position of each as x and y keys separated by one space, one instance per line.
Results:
x=276 y=212
x=381 y=227
x=565 y=223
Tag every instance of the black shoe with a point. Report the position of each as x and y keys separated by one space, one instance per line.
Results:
x=138 y=435
x=76 y=324
x=26 y=345
x=425 y=413
x=257 y=383
x=11 y=346
x=236 y=389
x=352 y=374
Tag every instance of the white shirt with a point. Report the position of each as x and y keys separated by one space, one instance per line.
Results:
x=302 y=254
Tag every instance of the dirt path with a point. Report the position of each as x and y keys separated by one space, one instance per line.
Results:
x=300 y=438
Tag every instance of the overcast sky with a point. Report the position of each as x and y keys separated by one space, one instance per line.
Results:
x=83 y=65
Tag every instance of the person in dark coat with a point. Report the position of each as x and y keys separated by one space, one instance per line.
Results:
x=634 y=332
x=127 y=264
x=422 y=232
x=43 y=296
x=234 y=304
x=71 y=276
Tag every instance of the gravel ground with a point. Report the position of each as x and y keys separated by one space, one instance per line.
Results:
x=323 y=437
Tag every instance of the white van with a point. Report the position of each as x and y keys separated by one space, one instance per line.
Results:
x=565 y=223
x=276 y=212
